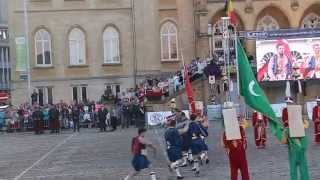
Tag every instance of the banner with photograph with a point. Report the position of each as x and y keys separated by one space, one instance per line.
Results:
x=282 y=59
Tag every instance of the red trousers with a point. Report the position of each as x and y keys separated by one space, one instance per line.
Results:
x=317 y=132
x=260 y=141
x=238 y=160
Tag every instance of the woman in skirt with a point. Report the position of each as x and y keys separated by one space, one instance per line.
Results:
x=139 y=150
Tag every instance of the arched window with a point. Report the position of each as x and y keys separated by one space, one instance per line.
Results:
x=312 y=20
x=43 y=48
x=111 y=45
x=267 y=23
x=169 y=41
x=77 y=47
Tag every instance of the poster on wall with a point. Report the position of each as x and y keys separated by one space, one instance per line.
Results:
x=279 y=59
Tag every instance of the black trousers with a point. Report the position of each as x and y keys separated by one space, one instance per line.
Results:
x=76 y=126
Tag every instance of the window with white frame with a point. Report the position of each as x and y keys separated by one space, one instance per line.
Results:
x=111 y=46
x=77 y=47
x=114 y=89
x=267 y=23
x=311 y=20
x=43 y=48
x=79 y=93
x=45 y=95
x=169 y=41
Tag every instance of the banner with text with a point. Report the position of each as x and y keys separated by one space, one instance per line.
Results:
x=159 y=118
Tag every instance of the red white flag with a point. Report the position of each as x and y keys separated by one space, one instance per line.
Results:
x=189 y=91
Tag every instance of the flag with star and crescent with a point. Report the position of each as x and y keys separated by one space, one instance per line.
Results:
x=253 y=94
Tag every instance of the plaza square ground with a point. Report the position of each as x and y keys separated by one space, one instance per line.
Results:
x=90 y=155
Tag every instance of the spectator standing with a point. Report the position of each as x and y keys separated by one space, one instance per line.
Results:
x=75 y=114
x=37 y=117
x=102 y=115
x=125 y=120
x=21 y=118
x=54 y=122
x=114 y=120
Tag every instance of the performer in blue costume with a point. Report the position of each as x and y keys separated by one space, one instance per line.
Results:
x=183 y=126
x=195 y=130
x=174 y=147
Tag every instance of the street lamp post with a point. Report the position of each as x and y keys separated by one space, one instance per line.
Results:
x=26 y=31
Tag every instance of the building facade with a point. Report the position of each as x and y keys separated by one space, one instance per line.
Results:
x=78 y=48
x=4 y=48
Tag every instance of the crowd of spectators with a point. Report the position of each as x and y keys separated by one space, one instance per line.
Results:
x=124 y=109
x=60 y=116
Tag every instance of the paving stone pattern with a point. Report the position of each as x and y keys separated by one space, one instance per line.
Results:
x=90 y=155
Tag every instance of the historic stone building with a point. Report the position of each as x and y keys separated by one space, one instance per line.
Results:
x=80 y=47
x=4 y=48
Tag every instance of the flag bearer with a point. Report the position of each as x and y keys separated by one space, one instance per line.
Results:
x=297 y=147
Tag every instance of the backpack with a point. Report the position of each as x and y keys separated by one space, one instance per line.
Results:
x=135 y=145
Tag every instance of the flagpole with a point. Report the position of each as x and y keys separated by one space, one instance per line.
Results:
x=237 y=64
x=226 y=53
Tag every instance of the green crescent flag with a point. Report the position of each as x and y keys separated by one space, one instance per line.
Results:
x=253 y=94
x=257 y=100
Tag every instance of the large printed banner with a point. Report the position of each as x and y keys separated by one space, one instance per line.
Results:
x=159 y=118
x=276 y=59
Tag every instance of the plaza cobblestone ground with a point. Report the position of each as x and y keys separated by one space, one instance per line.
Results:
x=90 y=155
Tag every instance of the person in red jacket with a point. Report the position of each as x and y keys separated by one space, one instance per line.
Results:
x=259 y=123
x=316 y=120
x=285 y=118
x=236 y=150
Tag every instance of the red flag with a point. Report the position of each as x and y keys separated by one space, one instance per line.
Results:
x=231 y=12
x=189 y=90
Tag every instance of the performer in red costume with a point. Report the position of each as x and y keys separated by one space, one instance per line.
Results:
x=285 y=118
x=236 y=149
x=259 y=122
x=316 y=120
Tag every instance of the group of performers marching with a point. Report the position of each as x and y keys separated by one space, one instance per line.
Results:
x=185 y=144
